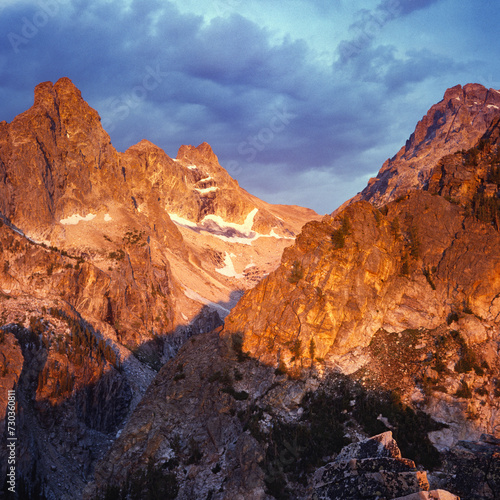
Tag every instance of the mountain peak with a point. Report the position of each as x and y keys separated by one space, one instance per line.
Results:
x=203 y=152
x=66 y=85
x=49 y=93
x=456 y=122
x=470 y=94
x=144 y=145
x=206 y=150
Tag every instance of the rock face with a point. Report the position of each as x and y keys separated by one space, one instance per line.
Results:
x=219 y=424
x=86 y=236
x=456 y=123
x=408 y=267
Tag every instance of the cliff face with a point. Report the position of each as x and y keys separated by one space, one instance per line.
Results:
x=215 y=423
x=408 y=266
x=405 y=296
x=52 y=160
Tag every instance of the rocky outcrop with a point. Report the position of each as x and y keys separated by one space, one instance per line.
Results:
x=217 y=423
x=372 y=469
x=71 y=396
x=11 y=363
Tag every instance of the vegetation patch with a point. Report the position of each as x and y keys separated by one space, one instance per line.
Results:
x=428 y=277
x=294 y=449
x=134 y=237
x=339 y=235
x=237 y=345
x=118 y=255
x=155 y=483
x=297 y=273
x=464 y=391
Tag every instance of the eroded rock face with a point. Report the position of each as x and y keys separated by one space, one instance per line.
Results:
x=409 y=267
x=54 y=158
x=456 y=123
x=71 y=397
x=187 y=424
x=11 y=363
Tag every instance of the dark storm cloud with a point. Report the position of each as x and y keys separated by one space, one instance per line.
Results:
x=267 y=105
x=405 y=7
x=371 y=22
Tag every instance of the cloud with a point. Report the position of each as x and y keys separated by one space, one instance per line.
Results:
x=370 y=23
x=405 y=7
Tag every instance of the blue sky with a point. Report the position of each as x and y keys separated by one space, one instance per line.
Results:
x=302 y=100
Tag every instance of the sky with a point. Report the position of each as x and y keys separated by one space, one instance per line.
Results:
x=302 y=101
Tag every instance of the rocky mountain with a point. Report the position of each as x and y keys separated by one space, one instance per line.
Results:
x=456 y=123
x=109 y=262
x=381 y=319
x=382 y=316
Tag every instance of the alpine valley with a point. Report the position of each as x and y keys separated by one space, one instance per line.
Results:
x=169 y=335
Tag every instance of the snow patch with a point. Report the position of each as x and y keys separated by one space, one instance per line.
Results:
x=177 y=219
x=228 y=269
x=76 y=218
x=207 y=190
x=192 y=167
x=245 y=228
x=249 y=266
x=206 y=179
x=107 y=218
x=228 y=231
x=191 y=294
x=492 y=106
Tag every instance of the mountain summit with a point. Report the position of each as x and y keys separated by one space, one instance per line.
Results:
x=457 y=122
